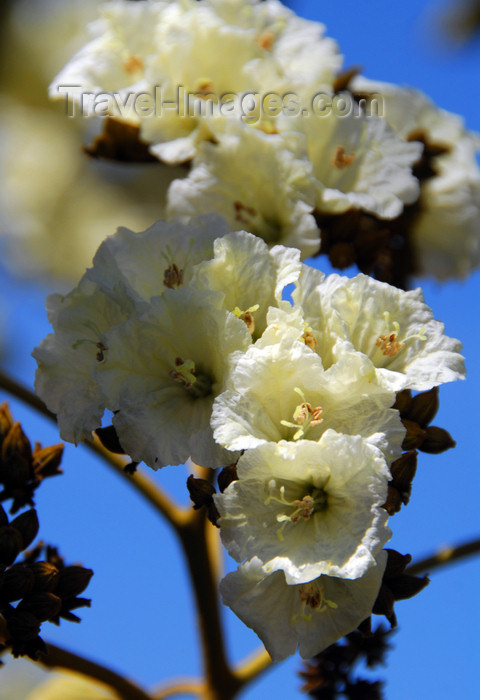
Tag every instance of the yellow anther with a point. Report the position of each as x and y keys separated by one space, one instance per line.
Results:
x=184 y=372
x=247 y=316
x=341 y=160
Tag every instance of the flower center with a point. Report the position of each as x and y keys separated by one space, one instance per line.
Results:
x=197 y=384
x=172 y=277
x=341 y=159
x=314 y=501
x=266 y=39
x=133 y=64
x=308 y=338
x=312 y=598
x=388 y=342
x=304 y=416
x=247 y=316
x=252 y=220
x=204 y=87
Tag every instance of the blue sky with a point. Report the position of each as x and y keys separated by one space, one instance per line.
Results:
x=142 y=620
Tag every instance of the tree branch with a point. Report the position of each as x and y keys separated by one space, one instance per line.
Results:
x=148 y=488
x=61 y=658
x=446 y=555
x=253 y=666
x=195 y=688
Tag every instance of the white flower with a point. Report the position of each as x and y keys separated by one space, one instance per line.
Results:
x=310 y=616
x=298 y=56
x=308 y=508
x=250 y=276
x=394 y=328
x=161 y=372
x=257 y=183
x=142 y=265
x=446 y=230
x=359 y=162
x=446 y=233
x=67 y=359
x=276 y=391
x=164 y=49
x=124 y=38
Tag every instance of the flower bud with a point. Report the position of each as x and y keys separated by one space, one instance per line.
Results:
x=403 y=470
x=43 y=605
x=11 y=544
x=27 y=524
x=424 y=407
x=16 y=457
x=46 y=460
x=414 y=437
x=436 y=440
x=406 y=586
x=201 y=492
x=394 y=500
x=403 y=401
x=46 y=575
x=17 y=582
x=72 y=581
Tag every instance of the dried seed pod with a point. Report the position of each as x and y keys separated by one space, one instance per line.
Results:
x=43 y=605
x=17 y=582
x=27 y=524
x=72 y=581
x=436 y=440
x=11 y=544
x=46 y=575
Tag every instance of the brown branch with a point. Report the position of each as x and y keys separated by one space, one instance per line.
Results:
x=200 y=543
x=148 y=488
x=253 y=666
x=445 y=556
x=195 y=688
x=61 y=658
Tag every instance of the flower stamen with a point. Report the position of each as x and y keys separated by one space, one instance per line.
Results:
x=388 y=342
x=341 y=160
x=247 y=316
x=304 y=416
x=312 y=596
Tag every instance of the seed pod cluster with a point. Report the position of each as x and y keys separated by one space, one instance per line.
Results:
x=34 y=591
x=416 y=413
x=22 y=469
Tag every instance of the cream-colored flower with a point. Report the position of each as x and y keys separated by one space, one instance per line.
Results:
x=277 y=391
x=164 y=50
x=67 y=359
x=359 y=162
x=308 y=508
x=251 y=277
x=162 y=371
x=394 y=328
x=257 y=183
x=446 y=230
x=308 y=616
x=138 y=266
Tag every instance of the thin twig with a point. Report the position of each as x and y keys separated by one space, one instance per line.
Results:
x=445 y=556
x=253 y=666
x=182 y=686
x=61 y=658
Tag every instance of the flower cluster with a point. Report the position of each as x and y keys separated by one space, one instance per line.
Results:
x=346 y=169
x=185 y=333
